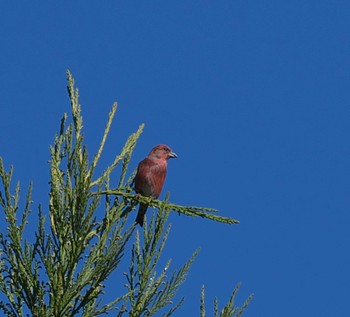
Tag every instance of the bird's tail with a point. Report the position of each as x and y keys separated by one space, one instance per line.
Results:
x=141 y=214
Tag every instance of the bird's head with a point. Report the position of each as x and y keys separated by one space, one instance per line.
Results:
x=162 y=151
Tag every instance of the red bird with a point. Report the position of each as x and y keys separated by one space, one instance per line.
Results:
x=150 y=176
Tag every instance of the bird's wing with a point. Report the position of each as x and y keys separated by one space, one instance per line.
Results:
x=150 y=177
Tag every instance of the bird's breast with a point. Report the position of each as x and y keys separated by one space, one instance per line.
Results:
x=150 y=177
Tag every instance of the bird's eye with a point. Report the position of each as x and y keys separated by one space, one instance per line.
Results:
x=166 y=149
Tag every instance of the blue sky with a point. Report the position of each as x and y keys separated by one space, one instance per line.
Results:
x=254 y=98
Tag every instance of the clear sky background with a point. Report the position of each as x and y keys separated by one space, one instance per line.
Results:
x=254 y=98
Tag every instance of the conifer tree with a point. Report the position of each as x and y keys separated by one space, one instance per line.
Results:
x=62 y=270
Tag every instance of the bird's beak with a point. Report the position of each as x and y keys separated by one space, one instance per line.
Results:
x=172 y=154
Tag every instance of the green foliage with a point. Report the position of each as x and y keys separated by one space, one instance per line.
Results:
x=64 y=271
x=230 y=309
x=153 y=292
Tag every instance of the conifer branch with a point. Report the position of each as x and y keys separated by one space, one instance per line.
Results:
x=104 y=138
x=230 y=309
x=202 y=304
x=64 y=270
x=186 y=210
x=153 y=292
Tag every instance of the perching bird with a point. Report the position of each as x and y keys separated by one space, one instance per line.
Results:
x=150 y=176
